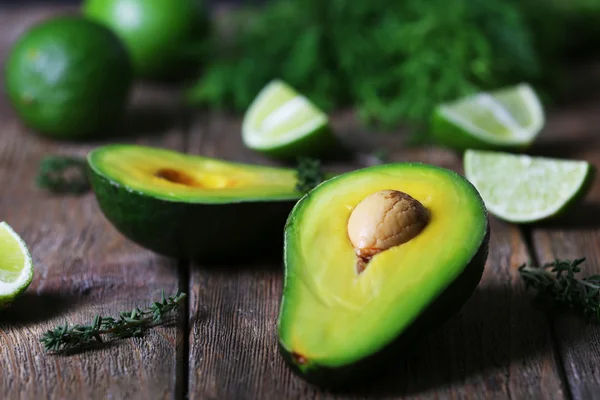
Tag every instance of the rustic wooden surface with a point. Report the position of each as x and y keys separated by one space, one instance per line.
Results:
x=82 y=268
x=501 y=345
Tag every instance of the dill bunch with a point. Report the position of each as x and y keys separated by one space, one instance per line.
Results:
x=392 y=61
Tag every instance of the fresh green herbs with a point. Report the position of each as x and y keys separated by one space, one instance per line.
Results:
x=393 y=61
x=63 y=174
x=309 y=173
x=558 y=281
x=129 y=324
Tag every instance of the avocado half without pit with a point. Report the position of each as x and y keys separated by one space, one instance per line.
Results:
x=193 y=207
x=373 y=259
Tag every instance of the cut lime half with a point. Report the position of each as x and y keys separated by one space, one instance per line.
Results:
x=16 y=267
x=282 y=123
x=507 y=118
x=524 y=189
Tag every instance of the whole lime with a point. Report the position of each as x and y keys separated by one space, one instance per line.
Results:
x=68 y=77
x=160 y=34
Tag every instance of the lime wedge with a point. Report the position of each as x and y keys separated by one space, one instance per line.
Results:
x=16 y=267
x=282 y=123
x=507 y=118
x=524 y=189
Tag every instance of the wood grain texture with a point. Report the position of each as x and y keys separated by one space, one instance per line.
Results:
x=574 y=134
x=83 y=266
x=498 y=346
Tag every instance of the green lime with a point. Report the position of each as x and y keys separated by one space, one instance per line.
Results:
x=507 y=118
x=161 y=35
x=16 y=266
x=68 y=77
x=282 y=123
x=522 y=189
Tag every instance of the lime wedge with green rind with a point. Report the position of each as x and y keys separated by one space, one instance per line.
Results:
x=282 y=123
x=505 y=119
x=523 y=189
x=16 y=266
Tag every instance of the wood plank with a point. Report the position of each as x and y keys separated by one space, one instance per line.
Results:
x=83 y=266
x=572 y=133
x=498 y=346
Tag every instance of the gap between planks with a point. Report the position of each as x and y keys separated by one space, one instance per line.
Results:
x=182 y=381
x=527 y=236
x=183 y=345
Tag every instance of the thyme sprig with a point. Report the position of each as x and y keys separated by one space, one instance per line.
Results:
x=63 y=174
x=129 y=324
x=309 y=173
x=558 y=281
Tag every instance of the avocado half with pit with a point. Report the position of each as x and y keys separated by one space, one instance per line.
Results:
x=192 y=207
x=373 y=259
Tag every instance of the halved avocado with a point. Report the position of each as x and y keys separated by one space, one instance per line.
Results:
x=192 y=207
x=337 y=322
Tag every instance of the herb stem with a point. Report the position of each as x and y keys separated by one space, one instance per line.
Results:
x=558 y=282
x=129 y=324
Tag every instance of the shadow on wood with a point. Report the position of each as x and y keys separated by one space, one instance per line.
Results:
x=479 y=343
x=579 y=217
x=147 y=119
x=141 y=121
x=563 y=147
x=30 y=308
x=270 y=263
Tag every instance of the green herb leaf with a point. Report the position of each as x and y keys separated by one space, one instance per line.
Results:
x=392 y=61
x=309 y=174
x=129 y=324
x=63 y=174
x=559 y=282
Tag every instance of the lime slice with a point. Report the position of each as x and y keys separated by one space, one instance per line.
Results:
x=282 y=123
x=523 y=189
x=16 y=267
x=507 y=118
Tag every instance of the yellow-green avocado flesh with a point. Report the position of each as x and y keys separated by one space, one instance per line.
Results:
x=193 y=207
x=335 y=322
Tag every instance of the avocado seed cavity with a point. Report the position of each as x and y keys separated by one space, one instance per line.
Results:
x=175 y=176
x=383 y=220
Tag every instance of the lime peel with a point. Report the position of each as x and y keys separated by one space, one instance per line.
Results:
x=16 y=265
x=504 y=118
x=524 y=189
x=281 y=122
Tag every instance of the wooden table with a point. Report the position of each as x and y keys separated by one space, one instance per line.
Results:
x=500 y=346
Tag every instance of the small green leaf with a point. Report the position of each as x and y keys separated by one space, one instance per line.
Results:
x=130 y=323
x=309 y=174
x=558 y=281
x=63 y=174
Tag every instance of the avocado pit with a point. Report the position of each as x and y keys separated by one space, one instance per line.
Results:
x=382 y=220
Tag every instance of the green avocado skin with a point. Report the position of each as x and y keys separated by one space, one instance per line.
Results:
x=243 y=231
x=440 y=310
